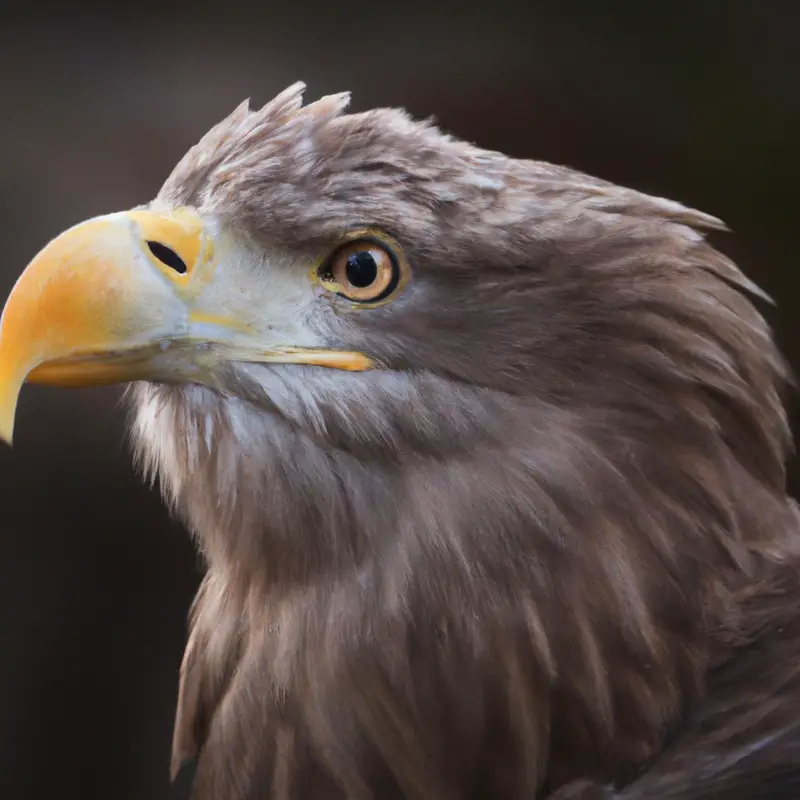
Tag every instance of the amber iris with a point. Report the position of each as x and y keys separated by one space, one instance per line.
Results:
x=364 y=271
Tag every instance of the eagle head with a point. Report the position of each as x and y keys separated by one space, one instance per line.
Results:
x=478 y=450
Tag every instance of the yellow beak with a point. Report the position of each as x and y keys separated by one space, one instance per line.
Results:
x=128 y=296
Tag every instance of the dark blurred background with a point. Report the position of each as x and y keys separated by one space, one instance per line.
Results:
x=693 y=99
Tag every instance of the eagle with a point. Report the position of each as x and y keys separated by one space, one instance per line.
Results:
x=485 y=458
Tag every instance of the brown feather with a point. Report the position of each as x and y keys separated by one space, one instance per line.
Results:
x=542 y=544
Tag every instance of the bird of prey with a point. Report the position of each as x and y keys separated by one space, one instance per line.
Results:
x=485 y=456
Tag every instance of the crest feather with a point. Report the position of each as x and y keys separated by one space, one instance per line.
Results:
x=245 y=140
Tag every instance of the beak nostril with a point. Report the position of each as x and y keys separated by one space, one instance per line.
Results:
x=166 y=255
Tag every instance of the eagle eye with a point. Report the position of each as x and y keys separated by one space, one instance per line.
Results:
x=364 y=270
x=166 y=255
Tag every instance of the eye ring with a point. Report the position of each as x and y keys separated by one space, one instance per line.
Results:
x=367 y=270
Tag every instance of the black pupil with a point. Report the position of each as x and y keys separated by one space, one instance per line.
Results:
x=362 y=269
x=167 y=256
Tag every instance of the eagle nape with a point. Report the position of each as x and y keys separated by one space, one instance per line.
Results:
x=486 y=458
